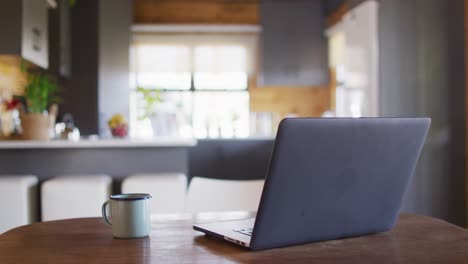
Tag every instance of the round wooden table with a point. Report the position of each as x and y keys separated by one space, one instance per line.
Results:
x=416 y=239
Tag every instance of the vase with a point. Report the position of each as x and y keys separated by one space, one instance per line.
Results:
x=35 y=126
x=164 y=124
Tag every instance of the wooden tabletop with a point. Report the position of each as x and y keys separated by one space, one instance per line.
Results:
x=416 y=239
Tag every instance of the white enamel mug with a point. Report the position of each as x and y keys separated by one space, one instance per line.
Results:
x=129 y=215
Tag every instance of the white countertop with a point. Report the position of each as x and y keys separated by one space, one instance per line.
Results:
x=99 y=143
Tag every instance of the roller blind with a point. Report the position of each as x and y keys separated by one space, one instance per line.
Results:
x=163 y=58
x=166 y=61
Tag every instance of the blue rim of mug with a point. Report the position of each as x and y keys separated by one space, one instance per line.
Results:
x=130 y=196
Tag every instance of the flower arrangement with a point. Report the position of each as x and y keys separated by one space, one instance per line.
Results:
x=118 y=126
x=11 y=104
x=9 y=117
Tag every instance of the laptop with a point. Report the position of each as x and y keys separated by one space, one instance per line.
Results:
x=330 y=178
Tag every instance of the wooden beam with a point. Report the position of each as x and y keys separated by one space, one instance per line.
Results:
x=195 y=12
x=337 y=15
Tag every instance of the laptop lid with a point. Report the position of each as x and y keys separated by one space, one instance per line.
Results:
x=335 y=178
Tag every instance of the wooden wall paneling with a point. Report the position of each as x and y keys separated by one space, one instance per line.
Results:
x=195 y=12
x=302 y=102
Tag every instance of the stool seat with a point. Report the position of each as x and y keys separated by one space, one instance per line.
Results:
x=168 y=190
x=18 y=201
x=211 y=195
x=74 y=196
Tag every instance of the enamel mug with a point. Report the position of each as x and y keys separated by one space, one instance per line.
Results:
x=129 y=215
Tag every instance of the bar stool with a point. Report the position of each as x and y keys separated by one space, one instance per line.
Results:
x=211 y=195
x=18 y=203
x=168 y=190
x=74 y=196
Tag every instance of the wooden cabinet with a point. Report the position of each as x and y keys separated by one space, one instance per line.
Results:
x=24 y=30
x=34 y=44
x=293 y=45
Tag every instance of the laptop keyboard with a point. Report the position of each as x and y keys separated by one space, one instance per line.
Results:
x=244 y=231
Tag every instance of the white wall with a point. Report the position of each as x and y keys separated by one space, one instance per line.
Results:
x=115 y=20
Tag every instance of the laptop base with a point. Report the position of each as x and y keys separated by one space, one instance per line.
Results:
x=228 y=230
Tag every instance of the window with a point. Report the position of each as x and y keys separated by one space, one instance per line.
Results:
x=193 y=85
x=163 y=67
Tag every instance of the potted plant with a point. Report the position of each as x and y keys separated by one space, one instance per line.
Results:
x=151 y=99
x=39 y=93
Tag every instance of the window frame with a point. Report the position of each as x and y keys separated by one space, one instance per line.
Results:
x=193 y=89
x=249 y=41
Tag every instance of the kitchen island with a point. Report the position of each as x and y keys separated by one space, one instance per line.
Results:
x=115 y=157
x=97 y=143
x=232 y=159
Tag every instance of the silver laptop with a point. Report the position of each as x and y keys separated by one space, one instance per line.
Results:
x=328 y=179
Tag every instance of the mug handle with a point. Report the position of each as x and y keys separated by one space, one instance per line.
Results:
x=104 y=215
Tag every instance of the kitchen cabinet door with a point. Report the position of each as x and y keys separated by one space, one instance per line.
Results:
x=34 y=43
x=293 y=44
